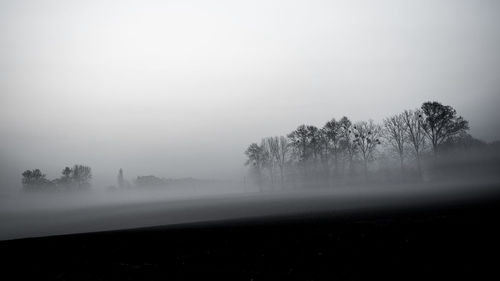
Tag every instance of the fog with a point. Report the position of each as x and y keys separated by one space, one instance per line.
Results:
x=452 y=181
x=180 y=89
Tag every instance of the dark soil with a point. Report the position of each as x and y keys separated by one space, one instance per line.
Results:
x=459 y=241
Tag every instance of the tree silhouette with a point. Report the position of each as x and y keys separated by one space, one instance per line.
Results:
x=332 y=136
x=367 y=137
x=268 y=161
x=256 y=159
x=311 y=152
x=277 y=149
x=413 y=120
x=299 y=140
x=306 y=146
x=33 y=178
x=149 y=181
x=441 y=123
x=347 y=143
x=121 y=181
x=283 y=153
x=66 y=176
x=395 y=135
x=314 y=142
x=81 y=175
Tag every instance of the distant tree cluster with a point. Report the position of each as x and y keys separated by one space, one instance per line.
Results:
x=149 y=181
x=76 y=178
x=343 y=149
x=153 y=181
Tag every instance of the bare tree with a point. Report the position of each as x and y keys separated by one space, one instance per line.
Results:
x=299 y=141
x=284 y=148
x=256 y=159
x=81 y=175
x=314 y=140
x=347 y=143
x=367 y=136
x=278 y=150
x=312 y=152
x=270 y=150
x=394 y=133
x=332 y=135
x=413 y=121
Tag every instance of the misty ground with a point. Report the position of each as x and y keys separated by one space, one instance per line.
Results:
x=416 y=232
x=53 y=213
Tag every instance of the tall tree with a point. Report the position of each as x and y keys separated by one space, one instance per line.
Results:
x=347 y=143
x=314 y=140
x=121 y=181
x=299 y=140
x=269 y=152
x=256 y=159
x=283 y=153
x=27 y=178
x=66 y=172
x=413 y=120
x=82 y=175
x=66 y=177
x=278 y=151
x=306 y=144
x=332 y=135
x=441 y=123
x=394 y=133
x=367 y=136
x=33 y=178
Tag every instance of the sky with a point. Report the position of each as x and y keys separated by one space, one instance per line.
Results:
x=181 y=88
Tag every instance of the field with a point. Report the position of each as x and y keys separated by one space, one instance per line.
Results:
x=388 y=233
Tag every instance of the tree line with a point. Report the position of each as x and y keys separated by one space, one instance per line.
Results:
x=343 y=149
x=76 y=178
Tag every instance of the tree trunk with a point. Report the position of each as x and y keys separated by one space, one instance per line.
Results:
x=282 y=177
x=401 y=160
x=419 y=166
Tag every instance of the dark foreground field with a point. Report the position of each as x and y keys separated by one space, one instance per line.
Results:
x=456 y=240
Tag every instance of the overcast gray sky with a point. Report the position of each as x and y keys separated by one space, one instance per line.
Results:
x=180 y=88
